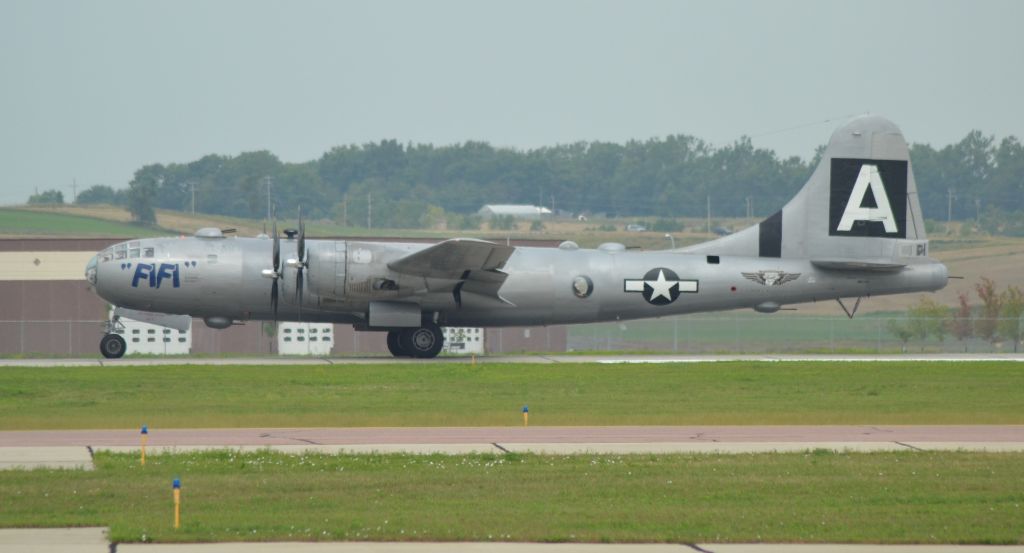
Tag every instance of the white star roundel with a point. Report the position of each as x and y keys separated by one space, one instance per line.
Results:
x=660 y=286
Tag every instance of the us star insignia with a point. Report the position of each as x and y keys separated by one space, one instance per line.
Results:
x=771 y=278
x=660 y=286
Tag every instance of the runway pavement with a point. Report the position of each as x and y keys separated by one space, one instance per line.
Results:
x=56 y=448
x=611 y=357
x=94 y=540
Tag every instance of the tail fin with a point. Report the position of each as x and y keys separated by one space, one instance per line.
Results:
x=860 y=205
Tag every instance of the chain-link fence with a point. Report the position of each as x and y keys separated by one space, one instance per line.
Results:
x=780 y=333
x=727 y=333
x=62 y=338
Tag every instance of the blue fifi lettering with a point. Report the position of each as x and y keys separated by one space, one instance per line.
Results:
x=168 y=270
x=155 y=277
x=143 y=270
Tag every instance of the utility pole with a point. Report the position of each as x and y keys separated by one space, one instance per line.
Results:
x=977 y=210
x=193 y=197
x=709 y=213
x=750 y=207
x=950 y=196
x=74 y=191
x=268 y=179
x=369 y=210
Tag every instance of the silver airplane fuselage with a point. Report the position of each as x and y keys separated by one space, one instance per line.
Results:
x=221 y=278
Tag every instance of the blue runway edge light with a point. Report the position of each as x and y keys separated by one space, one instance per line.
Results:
x=176 y=484
x=145 y=429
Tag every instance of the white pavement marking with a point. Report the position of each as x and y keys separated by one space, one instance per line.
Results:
x=54 y=540
x=404 y=547
x=57 y=457
x=968 y=446
x=353 y=449
x=601 y=448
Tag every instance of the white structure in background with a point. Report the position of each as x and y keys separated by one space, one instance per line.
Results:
x=463 y=340
x=145 y=338
x=305 y=338
x=516 y=211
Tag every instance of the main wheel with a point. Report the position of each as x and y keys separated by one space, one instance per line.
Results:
x=395 y=344
x=113 y=346
x=424 y=342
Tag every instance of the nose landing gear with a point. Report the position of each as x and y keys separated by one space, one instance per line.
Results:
x=112 y=345
x=424 y=342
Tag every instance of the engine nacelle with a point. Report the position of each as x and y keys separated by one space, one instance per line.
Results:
x=325 y=276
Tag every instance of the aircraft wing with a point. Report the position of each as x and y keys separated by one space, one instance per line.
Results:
x=475 y=264
x=452 y=258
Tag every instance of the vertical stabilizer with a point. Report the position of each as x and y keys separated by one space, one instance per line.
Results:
x=860 y=203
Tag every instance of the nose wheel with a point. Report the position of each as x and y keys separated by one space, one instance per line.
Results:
x=113 y=346
x=424 y=342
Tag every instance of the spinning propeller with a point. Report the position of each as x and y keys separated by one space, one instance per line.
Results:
x=275 y=272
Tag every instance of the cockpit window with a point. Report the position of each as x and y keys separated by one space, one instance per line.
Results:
x=120 y=253
x=133 y=253
x=107 y=255
x=147 y=252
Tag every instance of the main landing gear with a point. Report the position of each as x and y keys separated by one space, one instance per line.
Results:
x=424 y=342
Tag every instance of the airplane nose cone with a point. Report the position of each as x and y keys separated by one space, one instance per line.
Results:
x=90 y=271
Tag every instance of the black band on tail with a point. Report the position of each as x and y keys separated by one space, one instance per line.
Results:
x=770 y=236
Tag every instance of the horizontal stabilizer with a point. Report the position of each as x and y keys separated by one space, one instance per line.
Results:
x=869 y=265
x=451 y=259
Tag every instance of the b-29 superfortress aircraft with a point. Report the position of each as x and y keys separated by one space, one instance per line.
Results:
x=854 y=230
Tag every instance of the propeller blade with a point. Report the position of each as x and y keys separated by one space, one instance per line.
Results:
x=302 y=239
x=273 y=298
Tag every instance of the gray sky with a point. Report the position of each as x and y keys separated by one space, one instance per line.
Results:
x=93 y=90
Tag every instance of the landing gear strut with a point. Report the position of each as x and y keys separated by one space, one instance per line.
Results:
x=112 y=345
x=424 y=342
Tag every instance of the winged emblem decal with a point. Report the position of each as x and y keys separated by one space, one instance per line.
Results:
x=771 y=278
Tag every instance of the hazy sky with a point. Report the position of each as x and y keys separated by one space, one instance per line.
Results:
x=93 y=90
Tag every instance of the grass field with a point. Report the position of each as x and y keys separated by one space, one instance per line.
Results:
x=439 y=394
x=902 y=497
x=19 y=222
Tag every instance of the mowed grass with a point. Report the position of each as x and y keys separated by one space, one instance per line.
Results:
x=900 y=497
x=40 y=223
x=450 y=394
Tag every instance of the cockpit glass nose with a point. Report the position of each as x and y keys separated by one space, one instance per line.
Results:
x=90 y=270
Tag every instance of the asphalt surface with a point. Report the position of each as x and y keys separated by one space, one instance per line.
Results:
x=533 y=434
x=499 y=359
x=94 y=540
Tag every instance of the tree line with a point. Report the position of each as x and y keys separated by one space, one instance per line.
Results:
x=390 y=184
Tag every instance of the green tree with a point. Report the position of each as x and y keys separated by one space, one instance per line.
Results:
x=99 y=194
x=928 y=318
x=987 y=327
x=962 y=324
x=502 y=222
x=47 y=197
x=1012 y=308
x=142 y=192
